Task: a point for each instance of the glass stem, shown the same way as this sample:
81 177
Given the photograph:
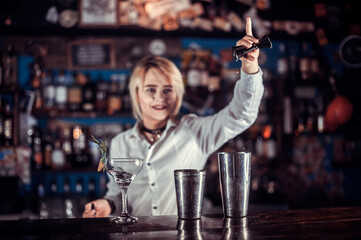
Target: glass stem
124 200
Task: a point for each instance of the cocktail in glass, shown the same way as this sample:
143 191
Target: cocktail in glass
124 170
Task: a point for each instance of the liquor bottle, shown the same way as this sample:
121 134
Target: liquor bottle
48 89
315 71
301 119
66 140
35 75
270 146
80 156
101 96
48 148
8 125
58 160
114 97
75 95
36 85
88 104
310 118
61 92
9 66
282 61
79 187
320 115
287 115
37 155
194 77
204 72
305 63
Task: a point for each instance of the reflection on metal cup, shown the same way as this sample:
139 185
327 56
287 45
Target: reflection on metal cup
235 228
234 176
189 185
189 229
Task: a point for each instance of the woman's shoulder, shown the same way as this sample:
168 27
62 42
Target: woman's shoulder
188 117
123 135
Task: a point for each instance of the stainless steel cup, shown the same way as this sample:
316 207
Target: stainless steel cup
234 177
189 186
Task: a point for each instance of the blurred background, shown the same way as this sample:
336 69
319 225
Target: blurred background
64 71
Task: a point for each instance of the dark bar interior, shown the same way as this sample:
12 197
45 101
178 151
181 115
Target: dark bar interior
64 74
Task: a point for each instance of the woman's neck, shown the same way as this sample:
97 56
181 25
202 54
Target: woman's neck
154 125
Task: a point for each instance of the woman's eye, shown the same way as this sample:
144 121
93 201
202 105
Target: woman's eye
167 90
150 90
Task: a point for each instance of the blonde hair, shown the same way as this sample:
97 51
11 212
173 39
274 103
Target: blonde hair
161 66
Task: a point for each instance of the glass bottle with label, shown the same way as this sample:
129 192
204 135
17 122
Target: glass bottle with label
48 89
61 92
194 77
101 96
305 63
48 148
9 66
114 96
8 125
79 156
75 95
282 61
36 85
66 140
320 115
37 152
88 104
58 160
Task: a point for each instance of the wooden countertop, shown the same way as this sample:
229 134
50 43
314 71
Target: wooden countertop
325 223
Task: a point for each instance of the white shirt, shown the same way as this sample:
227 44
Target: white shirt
186 145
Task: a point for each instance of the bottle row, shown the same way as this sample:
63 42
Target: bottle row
302 64
64 195
65 91
66 147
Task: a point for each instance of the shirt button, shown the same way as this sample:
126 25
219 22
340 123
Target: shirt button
153 184
148 164
155 207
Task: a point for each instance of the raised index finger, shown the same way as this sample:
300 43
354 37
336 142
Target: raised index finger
249 26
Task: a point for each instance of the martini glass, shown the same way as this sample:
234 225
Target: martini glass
124 170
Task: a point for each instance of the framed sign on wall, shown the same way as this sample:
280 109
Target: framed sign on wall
95 53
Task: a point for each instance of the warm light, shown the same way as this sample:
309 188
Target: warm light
267 131
77 132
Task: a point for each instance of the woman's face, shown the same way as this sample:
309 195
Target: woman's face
157 99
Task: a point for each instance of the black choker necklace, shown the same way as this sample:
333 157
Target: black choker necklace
155 133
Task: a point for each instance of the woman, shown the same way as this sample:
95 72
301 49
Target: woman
156 90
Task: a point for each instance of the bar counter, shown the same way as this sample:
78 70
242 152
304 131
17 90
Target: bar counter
323 223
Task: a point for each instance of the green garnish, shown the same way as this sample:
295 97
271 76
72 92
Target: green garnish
102 146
